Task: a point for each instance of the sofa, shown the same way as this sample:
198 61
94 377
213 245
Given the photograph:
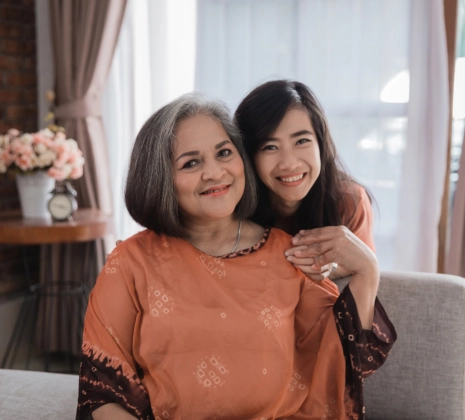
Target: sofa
423 378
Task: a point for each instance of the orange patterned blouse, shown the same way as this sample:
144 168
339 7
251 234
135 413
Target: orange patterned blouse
173 333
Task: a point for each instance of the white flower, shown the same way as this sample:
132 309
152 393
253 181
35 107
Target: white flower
27 138
47 133
46 158
67 169
35 161
4 140
72 145
40 148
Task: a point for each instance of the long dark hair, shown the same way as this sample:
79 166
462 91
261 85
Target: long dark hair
150 195
258 115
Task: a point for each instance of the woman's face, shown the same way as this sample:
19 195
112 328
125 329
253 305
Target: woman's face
209 174
289 162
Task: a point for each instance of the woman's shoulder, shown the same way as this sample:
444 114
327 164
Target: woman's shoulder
280 238
358 212
355 193
144 242
355 201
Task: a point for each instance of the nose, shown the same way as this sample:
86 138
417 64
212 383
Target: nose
288 160
213 170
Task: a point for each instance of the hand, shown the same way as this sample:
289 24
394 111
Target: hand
316 249
317 274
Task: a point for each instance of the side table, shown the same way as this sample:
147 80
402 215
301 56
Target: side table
88 225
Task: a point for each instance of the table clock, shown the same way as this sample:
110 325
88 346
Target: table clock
63 203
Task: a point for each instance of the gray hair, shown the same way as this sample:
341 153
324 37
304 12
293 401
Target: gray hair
150 194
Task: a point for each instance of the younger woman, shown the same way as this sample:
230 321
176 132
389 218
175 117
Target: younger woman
302 185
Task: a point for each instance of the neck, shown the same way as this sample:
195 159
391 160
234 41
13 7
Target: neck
285 212
214 237
284 208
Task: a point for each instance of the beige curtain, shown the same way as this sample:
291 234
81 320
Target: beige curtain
456 255
84 35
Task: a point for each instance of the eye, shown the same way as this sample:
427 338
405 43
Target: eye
303 141
190 164
224 153
269 147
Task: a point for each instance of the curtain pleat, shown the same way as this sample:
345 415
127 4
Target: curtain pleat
456 255
84 35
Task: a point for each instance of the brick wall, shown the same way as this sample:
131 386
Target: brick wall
18 109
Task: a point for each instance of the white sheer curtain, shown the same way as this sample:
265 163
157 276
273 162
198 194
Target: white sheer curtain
154 63
357 55
425 157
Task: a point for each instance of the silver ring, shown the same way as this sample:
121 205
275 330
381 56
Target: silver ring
333 266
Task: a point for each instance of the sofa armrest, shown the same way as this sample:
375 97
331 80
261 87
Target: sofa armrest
37 395
424 376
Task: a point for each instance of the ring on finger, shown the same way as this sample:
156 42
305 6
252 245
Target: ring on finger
333 266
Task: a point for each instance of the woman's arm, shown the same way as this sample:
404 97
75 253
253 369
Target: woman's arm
112 412
317 248
109 380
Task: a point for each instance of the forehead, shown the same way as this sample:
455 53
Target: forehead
295 119
197 132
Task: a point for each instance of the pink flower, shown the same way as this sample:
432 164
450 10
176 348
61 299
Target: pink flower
44 149
24 162
39 138
75 158
76 172
6 156
62 160
56 173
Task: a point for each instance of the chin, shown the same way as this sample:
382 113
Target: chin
219 215
293 196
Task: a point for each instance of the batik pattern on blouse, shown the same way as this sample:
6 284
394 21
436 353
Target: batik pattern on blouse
173 333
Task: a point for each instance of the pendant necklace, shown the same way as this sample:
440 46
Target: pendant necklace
238 237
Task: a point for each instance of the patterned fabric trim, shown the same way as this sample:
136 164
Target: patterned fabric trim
103 380
250 250
364 350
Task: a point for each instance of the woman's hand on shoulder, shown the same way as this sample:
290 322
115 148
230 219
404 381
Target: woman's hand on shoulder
315 250
338 244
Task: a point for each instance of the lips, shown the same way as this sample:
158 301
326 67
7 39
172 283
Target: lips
293 178
217 190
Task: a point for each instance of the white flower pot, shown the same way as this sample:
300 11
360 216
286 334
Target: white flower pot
34 192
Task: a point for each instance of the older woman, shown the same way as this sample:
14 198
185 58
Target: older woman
200 316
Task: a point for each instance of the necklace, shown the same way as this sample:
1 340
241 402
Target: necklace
238 237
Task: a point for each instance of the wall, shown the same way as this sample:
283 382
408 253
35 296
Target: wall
18 109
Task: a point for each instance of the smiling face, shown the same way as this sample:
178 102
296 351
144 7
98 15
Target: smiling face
288 163
208 170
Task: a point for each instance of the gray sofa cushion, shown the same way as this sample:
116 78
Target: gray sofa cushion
423 378
26 395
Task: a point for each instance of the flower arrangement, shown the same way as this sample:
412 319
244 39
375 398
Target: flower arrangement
47 150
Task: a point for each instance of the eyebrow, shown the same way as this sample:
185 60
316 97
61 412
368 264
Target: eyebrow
196 152
296 134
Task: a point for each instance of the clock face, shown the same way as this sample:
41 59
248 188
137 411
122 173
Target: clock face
60 206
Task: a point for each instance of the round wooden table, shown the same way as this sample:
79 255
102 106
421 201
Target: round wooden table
87 225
